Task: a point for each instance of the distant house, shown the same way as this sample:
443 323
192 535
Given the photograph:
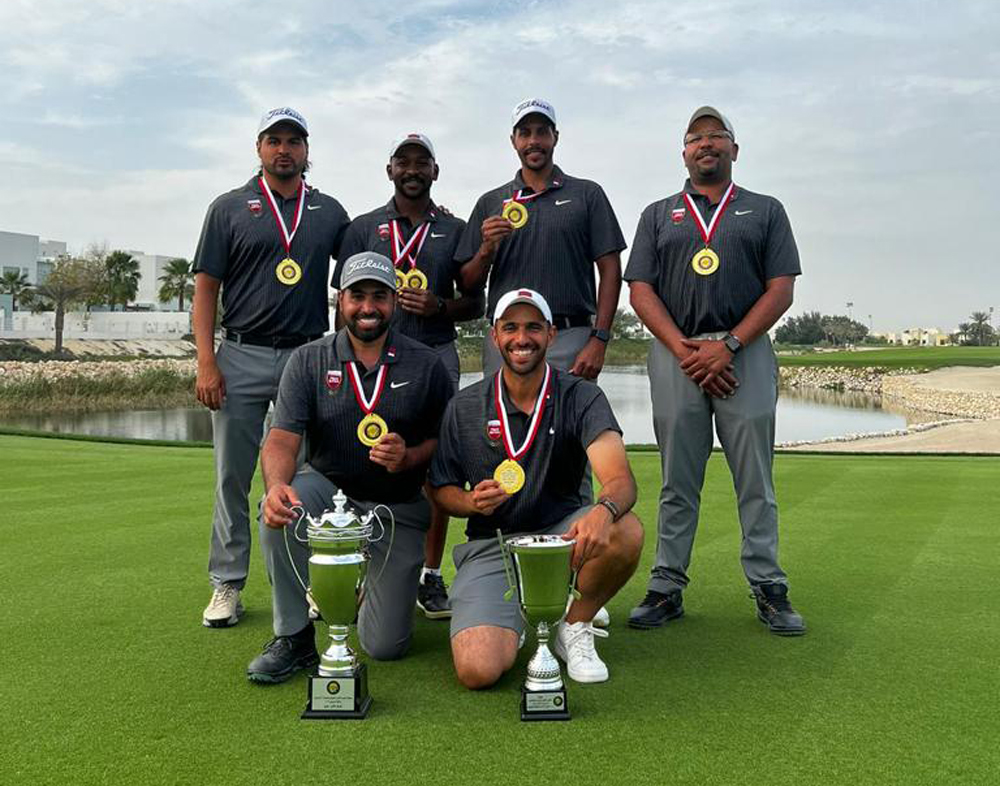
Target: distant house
919 337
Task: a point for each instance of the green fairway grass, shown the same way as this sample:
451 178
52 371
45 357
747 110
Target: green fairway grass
899 357
109 678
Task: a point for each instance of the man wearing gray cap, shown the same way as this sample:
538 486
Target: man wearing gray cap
547 230
420 239
267 246
370 401
712 268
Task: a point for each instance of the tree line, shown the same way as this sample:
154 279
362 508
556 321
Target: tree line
96 279
813 328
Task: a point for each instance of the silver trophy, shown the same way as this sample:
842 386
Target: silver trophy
539 571
338 566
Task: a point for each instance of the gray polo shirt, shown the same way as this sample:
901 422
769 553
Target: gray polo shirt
241 245
576 413
753 240
370 232
569 226
316 398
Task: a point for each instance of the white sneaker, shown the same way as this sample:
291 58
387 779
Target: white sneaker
601 619
224 609
313 608
575 645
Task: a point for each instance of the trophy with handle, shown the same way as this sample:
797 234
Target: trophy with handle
539 571
338 564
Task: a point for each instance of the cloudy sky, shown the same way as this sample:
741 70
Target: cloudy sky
877 124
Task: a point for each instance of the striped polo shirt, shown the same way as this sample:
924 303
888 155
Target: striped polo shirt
242 245
316 397
370 232
753 240
569 226
470 448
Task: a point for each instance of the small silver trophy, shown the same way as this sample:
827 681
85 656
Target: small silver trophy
539 571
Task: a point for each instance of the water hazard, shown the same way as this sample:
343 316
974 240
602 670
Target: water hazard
802 415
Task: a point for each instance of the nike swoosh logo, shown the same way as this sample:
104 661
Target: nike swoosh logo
313 207
552 431
743 212
395 385
435 234
563 201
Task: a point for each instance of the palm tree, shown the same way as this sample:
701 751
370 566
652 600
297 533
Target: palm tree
980 330
15 283
123 278
177 282
65 285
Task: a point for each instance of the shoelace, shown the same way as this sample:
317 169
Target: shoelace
654 599
223 595
774 605
582 644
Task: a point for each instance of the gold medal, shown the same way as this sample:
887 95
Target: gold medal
705 262
400 279
371 429
288 272
415 279
516 213
510 476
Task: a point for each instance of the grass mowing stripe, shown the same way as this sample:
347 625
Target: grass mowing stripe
122 684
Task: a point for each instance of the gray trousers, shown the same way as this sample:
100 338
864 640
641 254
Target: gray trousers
682 422
561 355
448 355
251 375
385 621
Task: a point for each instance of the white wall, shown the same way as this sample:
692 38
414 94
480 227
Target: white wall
106 325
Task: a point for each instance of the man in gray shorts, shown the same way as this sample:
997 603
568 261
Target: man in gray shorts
549 423
364 371
417 235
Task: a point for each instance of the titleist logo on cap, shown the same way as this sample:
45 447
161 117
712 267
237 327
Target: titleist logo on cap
285 111
366 264
532 102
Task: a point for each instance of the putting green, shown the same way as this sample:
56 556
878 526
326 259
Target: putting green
110 678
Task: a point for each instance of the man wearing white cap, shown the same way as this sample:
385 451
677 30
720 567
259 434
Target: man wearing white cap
547 230
712 268
420 239
511 454
267 246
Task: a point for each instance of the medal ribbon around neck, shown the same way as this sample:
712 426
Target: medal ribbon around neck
402 253
536 416
521 197
367 405
286 236
708 230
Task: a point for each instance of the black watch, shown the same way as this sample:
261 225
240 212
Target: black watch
732 343
442 305
600 334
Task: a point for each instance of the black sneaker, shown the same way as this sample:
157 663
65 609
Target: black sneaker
655 609
432 598
283 656
774 610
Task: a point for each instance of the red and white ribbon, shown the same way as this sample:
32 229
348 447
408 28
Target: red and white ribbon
405 253
521 197
708 230
366 404
533 424
286 236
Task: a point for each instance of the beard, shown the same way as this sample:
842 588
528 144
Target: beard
367 334
522 370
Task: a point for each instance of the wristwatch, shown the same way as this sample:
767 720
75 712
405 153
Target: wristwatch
442 305
600 334
732 343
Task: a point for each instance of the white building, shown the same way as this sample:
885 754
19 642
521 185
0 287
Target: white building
147 298
919 337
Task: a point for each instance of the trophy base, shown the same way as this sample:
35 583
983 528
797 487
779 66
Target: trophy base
544 705
338 698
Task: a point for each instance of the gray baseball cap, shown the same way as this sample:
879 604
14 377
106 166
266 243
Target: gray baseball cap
711 111
368 266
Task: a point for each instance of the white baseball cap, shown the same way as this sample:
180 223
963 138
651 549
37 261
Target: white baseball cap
532 106
516 296
412 139
282 114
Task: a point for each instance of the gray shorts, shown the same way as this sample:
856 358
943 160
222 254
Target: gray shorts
480 583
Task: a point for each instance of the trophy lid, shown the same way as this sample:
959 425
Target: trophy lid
341 523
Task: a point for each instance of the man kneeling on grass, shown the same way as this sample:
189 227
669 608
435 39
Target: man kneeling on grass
550 424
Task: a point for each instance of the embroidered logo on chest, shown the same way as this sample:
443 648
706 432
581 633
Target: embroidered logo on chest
334 378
